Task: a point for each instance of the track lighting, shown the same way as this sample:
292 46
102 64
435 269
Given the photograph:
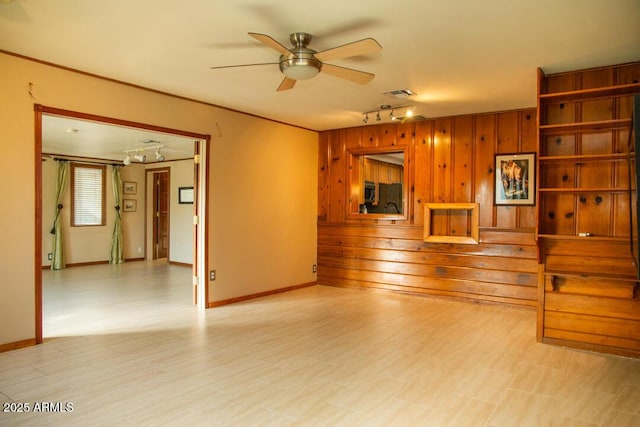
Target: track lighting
408 110
140 157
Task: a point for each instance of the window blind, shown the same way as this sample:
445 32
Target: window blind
88 195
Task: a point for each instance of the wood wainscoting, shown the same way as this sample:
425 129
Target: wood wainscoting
502 268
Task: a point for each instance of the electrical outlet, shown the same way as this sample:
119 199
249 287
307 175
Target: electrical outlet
315 268
212 275
49 256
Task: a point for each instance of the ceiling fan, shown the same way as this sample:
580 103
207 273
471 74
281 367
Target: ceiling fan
302 63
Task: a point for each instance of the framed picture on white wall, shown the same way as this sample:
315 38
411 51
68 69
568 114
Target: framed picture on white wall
185 195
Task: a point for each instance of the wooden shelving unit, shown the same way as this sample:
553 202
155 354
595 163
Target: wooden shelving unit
586 210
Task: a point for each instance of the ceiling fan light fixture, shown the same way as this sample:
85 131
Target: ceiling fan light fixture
297 68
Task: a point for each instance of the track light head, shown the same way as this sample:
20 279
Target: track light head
139 156
366 117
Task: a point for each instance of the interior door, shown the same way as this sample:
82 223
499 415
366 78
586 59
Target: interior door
161 215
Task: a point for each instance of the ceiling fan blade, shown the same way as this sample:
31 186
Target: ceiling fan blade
358 24
244 65
360 47
271 42
286 84
350 74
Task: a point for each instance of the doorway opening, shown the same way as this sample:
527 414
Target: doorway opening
196 160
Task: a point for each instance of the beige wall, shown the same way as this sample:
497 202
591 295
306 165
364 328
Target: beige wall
133 222
262 186
92 244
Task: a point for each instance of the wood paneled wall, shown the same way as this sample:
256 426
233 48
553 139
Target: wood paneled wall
448 159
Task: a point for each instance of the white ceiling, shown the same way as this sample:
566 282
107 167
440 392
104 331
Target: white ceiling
459 56
88 140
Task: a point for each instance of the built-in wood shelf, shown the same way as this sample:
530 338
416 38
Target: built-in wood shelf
587 157
620 277
574 237
584 94
585 190
585 126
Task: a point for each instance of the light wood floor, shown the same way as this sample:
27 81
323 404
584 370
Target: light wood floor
125 346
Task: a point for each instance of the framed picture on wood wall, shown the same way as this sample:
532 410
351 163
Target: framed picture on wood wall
515 179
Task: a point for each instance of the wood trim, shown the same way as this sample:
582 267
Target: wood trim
212 304
18 344
114 121
38 223
195 230
540 305
207 148
475 221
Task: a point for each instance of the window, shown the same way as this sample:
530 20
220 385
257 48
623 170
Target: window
87 195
